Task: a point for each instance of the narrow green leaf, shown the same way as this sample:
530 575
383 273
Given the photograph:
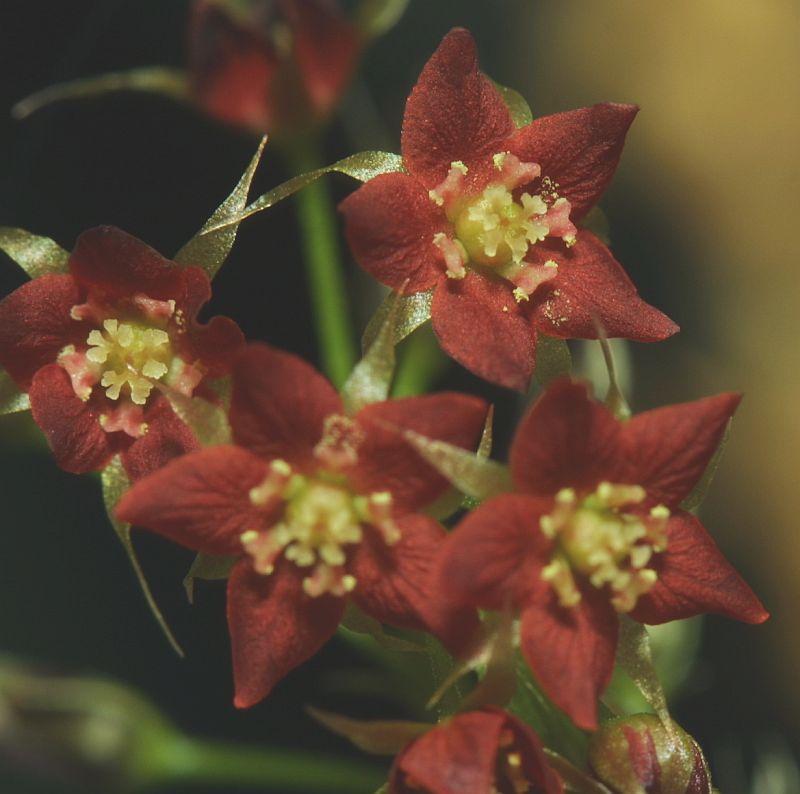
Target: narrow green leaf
357 622
517 105
207 420
375 17
413 311
362 166
635 659
209 567
115 482
499 681
381 737
553 359
473 475
37 256
151 79
12 400
210 250
371 378
700 491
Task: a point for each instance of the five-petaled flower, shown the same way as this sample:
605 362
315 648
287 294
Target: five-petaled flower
95 347
596 529
478 751
486 216
270 66
318 506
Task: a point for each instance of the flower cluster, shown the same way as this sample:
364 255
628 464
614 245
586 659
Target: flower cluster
320 502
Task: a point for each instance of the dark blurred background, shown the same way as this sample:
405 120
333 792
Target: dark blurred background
702 214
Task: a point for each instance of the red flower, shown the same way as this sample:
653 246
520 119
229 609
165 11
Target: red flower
596 529
317 505
485 216
92 346
269 65
478 752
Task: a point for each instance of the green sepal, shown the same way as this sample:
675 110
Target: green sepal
553 359
209 567
173 83
209 250
115 482
362 166
413 311
700 490
371 378
575 780
596 221
358 622
12 400
37 256
376 17
615 399
517 105
208 421
379 737
635 659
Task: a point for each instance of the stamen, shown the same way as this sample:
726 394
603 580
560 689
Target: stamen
455 257
341 438
448 192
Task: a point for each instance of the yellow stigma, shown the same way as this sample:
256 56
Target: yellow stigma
597 539
320 519
497 230
133 355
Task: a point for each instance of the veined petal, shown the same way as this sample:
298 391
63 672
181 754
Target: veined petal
274 626
567 439
694 577
578 149
669 448
35 325
71 426
200 500
387 462
590 288
279 404
492 558
454 113
480 325
390 223
571 651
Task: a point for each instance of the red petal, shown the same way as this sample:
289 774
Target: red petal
668 449
390 223
115 264
387 462
201 500
35 324
694 577
395 584
480 325
72 428
167 437
274 627
455 757
232 68
453 113
592 287
493 557
215 345
571 651
567 439
326 48
279 405
578 149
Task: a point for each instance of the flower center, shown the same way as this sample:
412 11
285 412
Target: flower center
597 539
131 356
320 518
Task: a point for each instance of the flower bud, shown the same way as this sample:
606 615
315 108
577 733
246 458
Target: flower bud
640 754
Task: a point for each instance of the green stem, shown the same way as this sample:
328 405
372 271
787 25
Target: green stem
421 363
326 284
188 761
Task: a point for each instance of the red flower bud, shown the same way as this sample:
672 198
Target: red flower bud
640 754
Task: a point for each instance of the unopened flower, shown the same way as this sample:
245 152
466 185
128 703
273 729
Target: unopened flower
642 755
93 347
270 65
318 506
596 529
487 217
478 751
